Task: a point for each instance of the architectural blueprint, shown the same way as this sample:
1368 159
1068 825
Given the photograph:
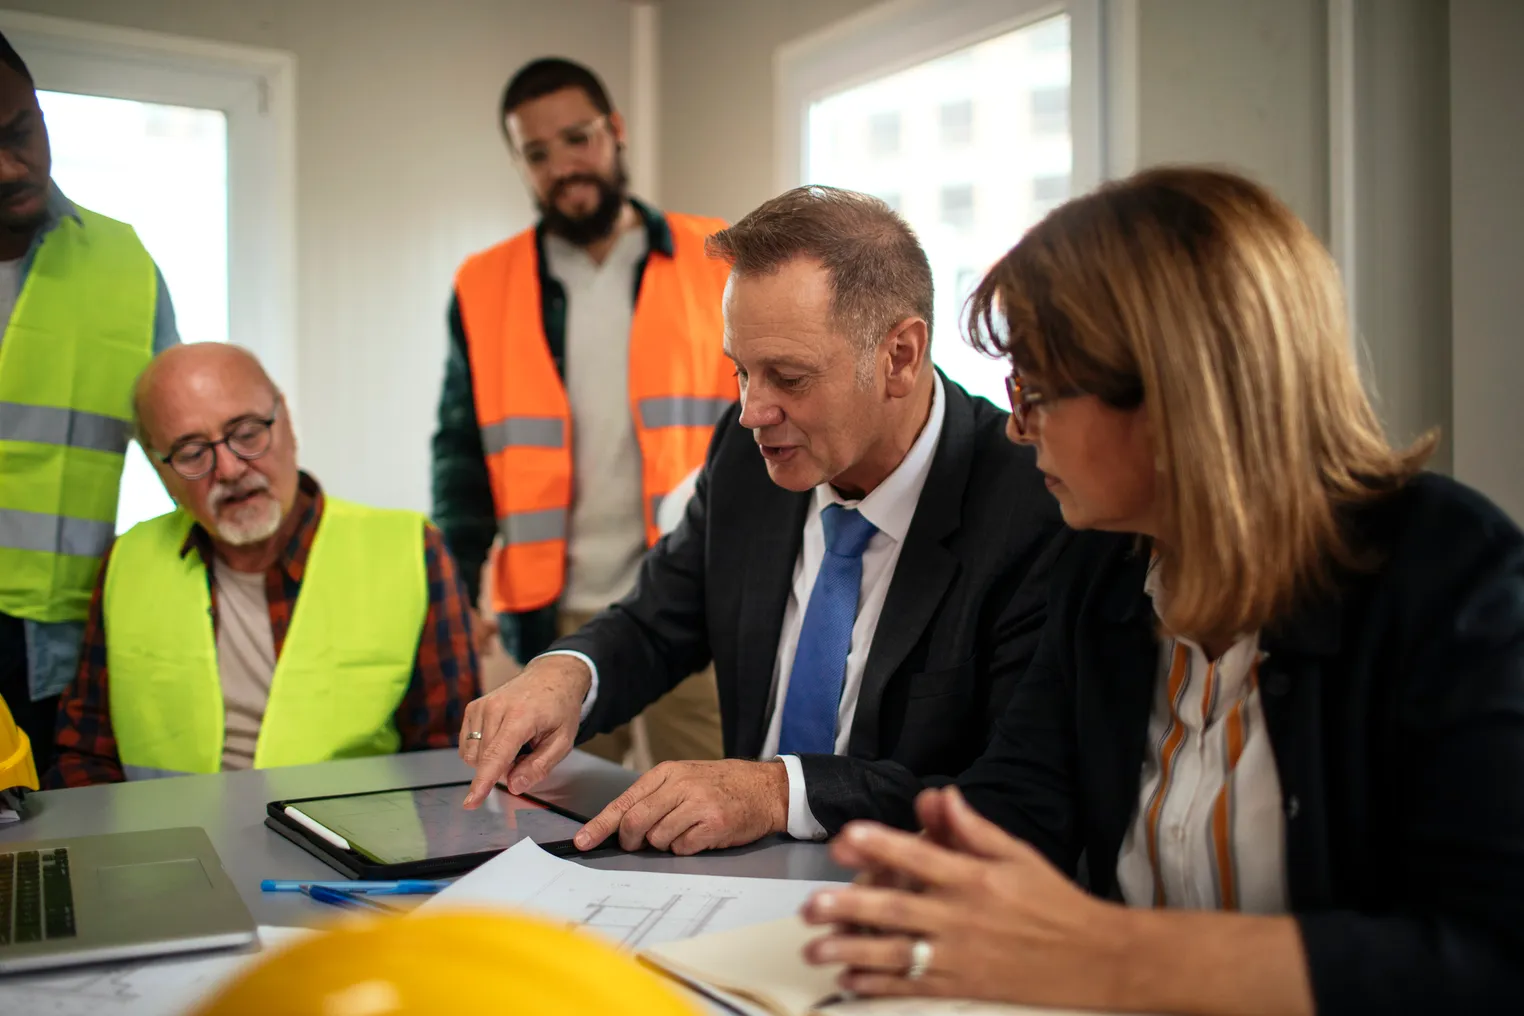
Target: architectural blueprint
137 988
633 908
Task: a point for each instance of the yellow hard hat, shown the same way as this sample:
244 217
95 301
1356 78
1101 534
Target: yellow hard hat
16 766
461 962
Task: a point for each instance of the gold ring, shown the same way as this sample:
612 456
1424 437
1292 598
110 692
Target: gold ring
475 735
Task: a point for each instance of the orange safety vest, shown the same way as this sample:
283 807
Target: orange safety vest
681 382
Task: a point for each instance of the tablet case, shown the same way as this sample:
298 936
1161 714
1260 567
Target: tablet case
357 865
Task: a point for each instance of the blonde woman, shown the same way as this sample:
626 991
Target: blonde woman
1278 710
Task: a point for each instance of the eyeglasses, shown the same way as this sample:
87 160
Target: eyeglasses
575 138
248 439
1024 398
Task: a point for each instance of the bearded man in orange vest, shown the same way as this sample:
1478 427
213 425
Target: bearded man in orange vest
586 371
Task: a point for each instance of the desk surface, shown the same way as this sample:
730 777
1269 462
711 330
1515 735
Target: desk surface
231 808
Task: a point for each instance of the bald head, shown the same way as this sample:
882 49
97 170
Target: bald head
195 373
219 435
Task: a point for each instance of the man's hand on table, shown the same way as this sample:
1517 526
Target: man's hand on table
686 807
540 708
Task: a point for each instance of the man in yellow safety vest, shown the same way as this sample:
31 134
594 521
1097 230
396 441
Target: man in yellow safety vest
261 623
84 308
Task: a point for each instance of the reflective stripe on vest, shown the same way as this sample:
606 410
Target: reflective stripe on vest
72 428
54 534
524 432
682 411
680 384
80 333
343 670
533 527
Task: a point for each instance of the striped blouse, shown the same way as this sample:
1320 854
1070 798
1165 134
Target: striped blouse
1209 831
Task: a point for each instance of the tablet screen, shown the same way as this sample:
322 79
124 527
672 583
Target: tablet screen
428 823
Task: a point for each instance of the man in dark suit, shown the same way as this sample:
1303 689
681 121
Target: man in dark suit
870 586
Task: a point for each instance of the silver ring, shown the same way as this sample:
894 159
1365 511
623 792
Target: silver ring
475 735
920 960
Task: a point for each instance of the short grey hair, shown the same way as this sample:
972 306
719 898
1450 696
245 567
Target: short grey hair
879 273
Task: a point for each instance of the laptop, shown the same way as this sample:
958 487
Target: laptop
91 899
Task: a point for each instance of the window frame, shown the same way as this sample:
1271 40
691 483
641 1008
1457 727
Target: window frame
900 34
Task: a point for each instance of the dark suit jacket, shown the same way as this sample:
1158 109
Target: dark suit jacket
1395 709
961 621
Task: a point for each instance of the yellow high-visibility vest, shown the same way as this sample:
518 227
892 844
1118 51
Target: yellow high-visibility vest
342 673
81 332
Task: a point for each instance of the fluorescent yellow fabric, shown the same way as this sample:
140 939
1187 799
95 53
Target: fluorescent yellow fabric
80 333
344 668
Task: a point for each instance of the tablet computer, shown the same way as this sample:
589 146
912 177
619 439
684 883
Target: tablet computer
419 832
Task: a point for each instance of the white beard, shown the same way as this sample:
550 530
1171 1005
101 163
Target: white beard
254 522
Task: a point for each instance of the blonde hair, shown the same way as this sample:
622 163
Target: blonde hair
1202 290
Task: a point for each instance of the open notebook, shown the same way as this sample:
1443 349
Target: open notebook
760 969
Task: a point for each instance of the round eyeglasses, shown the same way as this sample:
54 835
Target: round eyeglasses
248 438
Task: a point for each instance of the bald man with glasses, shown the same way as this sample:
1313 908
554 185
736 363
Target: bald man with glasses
261 623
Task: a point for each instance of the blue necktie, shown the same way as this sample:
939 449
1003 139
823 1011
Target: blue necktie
820 662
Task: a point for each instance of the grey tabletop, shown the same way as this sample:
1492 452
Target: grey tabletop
231 808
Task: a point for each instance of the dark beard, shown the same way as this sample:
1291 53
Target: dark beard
597 224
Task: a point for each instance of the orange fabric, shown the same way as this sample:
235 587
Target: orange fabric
679 376
1222 807
1173 739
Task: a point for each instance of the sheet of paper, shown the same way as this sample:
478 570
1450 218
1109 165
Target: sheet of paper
635 909
137 988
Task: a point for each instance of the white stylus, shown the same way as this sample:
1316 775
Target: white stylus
318 827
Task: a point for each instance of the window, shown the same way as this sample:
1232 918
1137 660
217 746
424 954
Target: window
958 206
1051 190
968 194
964 283
1051 36
163 169
956 120
884 134
1050 110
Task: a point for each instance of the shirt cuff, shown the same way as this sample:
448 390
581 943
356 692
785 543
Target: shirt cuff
801 821
592 689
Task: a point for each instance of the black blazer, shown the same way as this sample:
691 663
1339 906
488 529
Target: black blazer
1395 710
961 621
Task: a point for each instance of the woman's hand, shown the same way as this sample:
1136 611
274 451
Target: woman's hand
1003 924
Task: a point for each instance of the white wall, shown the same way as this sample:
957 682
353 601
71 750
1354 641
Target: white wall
1242 84
1402 214
401 173
1487 236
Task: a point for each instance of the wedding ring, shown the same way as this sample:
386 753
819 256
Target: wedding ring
475 735
920 960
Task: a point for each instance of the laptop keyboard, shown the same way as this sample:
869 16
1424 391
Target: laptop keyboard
36 896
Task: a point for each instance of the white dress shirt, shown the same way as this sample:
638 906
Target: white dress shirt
1209 833
890 506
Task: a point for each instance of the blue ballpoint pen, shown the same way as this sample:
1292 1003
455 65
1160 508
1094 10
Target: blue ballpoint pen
402 887
338 898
